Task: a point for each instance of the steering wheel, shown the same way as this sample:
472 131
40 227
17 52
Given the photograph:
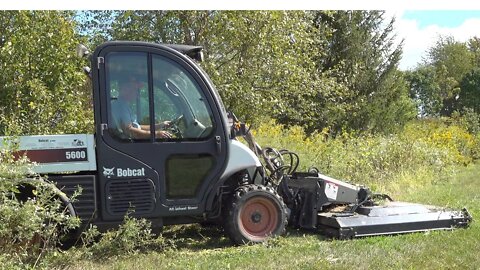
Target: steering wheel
173 126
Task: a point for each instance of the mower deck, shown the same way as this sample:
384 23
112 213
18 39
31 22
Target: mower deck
390 218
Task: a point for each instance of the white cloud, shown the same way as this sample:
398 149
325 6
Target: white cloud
417 41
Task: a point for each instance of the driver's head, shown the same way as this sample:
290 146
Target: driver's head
128 87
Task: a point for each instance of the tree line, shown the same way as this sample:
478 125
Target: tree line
322 70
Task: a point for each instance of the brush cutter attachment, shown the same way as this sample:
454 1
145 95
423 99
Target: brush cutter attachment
344 211
391 218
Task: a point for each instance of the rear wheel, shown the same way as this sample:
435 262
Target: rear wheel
255 213
53 228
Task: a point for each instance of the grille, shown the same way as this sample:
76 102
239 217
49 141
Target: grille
83 203
135 195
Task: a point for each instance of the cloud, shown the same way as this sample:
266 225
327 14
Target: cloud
418 40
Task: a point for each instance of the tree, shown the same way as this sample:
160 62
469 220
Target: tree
362 55
474 46
425 90
94 26
469 96
439 82
159 26
335 69
452 60
41 83
259 60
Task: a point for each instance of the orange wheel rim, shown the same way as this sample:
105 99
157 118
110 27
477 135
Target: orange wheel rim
258 218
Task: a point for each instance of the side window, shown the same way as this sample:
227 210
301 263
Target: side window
179 102
127 91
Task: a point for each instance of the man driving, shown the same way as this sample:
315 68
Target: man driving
124 120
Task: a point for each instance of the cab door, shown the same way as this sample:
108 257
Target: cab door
182 148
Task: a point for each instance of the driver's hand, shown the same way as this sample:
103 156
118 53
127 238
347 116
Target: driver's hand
163 125
167 124
163 134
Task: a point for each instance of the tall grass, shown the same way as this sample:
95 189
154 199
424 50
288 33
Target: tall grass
423 152
205 248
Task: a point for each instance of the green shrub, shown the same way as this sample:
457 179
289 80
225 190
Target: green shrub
468 119
33 219
34 226
12 167
379 161
424 152
132 236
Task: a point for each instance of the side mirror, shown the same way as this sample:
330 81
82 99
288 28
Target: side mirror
87 71
199 56
82 51
196 53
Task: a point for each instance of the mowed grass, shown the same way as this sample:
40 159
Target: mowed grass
194 247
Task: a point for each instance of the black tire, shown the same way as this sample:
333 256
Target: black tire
254 214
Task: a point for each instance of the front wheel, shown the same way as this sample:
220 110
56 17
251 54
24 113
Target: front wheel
255 213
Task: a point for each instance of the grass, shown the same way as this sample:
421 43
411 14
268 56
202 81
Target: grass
195 247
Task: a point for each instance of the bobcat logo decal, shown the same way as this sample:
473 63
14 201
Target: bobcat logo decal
78 142
107 172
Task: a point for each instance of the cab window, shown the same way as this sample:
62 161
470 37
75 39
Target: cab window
179 102
127 92
180 110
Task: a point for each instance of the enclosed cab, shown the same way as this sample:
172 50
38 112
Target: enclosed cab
176 178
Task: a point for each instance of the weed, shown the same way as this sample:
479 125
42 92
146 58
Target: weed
417 164
33 218
429 147
132 236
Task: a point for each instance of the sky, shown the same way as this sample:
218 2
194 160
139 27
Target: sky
421 28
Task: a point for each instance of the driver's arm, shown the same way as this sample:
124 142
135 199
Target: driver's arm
140 133
159 126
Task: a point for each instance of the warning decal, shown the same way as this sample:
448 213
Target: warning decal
331 190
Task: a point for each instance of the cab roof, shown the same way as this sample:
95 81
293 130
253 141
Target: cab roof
194 52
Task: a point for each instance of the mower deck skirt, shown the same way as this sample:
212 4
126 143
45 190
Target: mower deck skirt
391 218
